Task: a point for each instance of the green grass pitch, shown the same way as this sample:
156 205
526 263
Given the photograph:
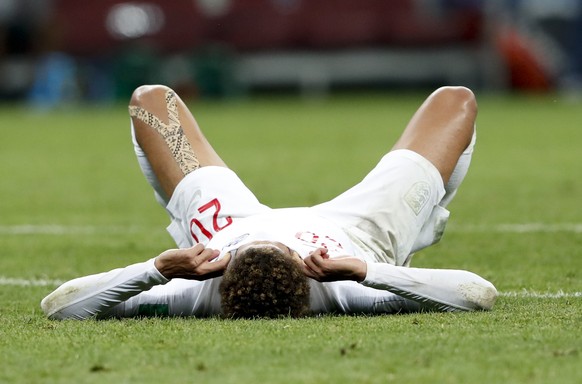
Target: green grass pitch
73 202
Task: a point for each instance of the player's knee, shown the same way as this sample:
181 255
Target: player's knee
458 97
148 94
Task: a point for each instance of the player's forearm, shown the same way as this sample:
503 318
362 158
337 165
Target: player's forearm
92 295
438 289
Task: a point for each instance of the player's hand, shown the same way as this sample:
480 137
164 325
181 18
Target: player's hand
191 263
319 266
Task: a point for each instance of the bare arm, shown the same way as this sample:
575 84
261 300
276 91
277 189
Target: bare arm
437 289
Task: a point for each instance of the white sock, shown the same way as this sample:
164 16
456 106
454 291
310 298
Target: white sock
459 172
147 170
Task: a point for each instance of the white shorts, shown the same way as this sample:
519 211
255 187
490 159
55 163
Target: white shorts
394 211
391 213
206 201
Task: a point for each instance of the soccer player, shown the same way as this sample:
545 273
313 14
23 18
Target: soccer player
240 258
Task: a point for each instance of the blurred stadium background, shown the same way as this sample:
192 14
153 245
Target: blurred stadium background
68 51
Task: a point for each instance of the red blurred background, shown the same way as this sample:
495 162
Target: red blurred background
99 50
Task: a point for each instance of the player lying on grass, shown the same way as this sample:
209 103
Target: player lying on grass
240 258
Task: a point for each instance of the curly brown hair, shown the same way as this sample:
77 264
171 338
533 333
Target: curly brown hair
263 282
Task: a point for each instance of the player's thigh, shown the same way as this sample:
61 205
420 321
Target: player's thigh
169 136
207 201
442 128
387 209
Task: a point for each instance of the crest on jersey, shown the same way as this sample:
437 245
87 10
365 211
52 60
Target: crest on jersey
236 240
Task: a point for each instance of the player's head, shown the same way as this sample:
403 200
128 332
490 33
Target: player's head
264 280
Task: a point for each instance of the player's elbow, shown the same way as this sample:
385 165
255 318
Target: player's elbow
57 306
53 313
458 98
48 307
481 294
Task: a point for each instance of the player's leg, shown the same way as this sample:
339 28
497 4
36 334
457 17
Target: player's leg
442 128
388 208
459 173
169 136
449 113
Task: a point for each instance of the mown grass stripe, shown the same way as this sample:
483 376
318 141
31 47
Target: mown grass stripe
60 230
541 295
18 282
518 228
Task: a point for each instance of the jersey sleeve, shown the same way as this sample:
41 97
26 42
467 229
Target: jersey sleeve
352 298
434 289
95 295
